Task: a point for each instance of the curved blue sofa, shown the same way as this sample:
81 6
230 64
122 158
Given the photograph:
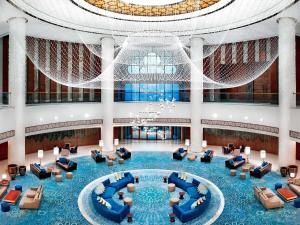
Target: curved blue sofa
118 212
184 212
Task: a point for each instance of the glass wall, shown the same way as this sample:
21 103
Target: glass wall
152 133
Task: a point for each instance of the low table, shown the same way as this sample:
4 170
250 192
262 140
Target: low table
286 194
137 179
55 171
181 195
172 217
174 201
171 187
121 194
128 201
129 217
130 187
165 179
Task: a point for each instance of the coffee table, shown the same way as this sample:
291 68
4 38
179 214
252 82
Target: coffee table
286 194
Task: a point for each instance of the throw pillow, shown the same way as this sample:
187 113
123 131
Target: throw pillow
30 194
269 195
257 169
112 179
62 160
239 158
189 179
99 189
231 162
181 150
202 189
108 205
264 164
194 205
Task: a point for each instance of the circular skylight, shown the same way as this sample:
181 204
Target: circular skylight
152 3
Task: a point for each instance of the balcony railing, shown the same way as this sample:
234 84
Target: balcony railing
241 97
63 97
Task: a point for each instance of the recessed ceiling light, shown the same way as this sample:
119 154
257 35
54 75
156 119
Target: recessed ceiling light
230 116
71 115
215 115
261 119
86 115
246 117
56 117
41 119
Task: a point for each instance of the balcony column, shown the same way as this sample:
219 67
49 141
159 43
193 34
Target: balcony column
196 93
1 70
287 88
17 87
107 92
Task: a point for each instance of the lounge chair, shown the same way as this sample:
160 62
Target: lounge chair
97 156
123 153
39 171
73 150
208 155
260 171
32 198
235 162
294 185
267 198
179 154
66 164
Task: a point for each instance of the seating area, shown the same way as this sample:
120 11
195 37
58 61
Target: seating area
294 185
66 164
261 170
123 153
235 162
97 156
199 197
179 154
102 197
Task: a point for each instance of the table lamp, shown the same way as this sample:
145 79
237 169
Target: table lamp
204 144
116 143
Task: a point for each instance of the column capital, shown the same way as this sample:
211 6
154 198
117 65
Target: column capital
107 38
287 17
17 18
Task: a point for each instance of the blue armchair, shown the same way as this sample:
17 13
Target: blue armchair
179 154
123 153
208 155
235 162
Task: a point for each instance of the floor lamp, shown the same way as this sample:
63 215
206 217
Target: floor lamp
101 144
40 155
247 152
204 144
187 144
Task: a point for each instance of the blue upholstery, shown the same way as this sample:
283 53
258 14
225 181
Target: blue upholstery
235 162
238 158
173 178
118 212
264 164
123 153
185 213
297 203
5 207
18 187
278 185
62 160
260 171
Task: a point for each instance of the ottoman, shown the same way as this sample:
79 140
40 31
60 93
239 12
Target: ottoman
232 173
130 187
297 203
128 201
112 157
110 163
171 187
58 178
56 172
278 185
18 187
121 161
192 157
5 207
69 175
243 176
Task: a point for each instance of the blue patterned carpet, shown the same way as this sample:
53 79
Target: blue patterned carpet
59 204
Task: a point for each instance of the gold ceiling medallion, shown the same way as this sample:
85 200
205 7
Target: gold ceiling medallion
182 7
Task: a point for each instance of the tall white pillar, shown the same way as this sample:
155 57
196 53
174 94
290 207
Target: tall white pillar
17 85
1 70
196 93
107 92
287 88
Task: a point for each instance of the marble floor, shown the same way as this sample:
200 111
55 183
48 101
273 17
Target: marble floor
141 145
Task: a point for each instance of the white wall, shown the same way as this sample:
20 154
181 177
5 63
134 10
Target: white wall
6 119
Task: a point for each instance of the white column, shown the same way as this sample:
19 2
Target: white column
107 92
287 88
196 93
1 70
17 84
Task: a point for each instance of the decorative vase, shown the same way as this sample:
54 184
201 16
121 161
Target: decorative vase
22 170
283 171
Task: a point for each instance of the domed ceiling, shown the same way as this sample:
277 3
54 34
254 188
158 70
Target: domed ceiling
152 8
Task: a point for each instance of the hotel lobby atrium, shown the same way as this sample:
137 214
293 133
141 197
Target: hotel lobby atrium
153 112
